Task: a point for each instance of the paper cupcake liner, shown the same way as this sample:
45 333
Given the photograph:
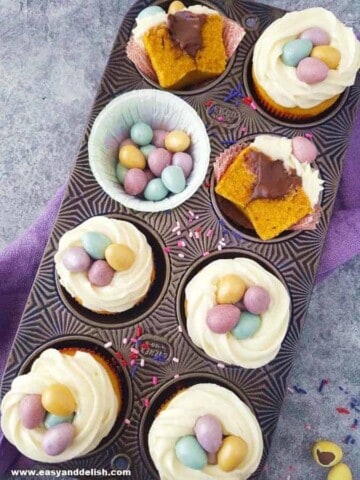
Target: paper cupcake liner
160 110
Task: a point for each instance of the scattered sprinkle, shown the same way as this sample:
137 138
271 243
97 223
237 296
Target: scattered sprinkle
309 135
208 103
181 255
167 249
289 389
209 233
307 427
343 410
322 385
119 356
191 213
133 340
207 184
181 243
139 332
205 254
177 227
349 440
127 421
132 362
159 358
142 362
253 105
299 390
134 350
108 345
220 118
176 376
221 365
180 328
154 380
146 402
175 359
355 423
124 341
134 370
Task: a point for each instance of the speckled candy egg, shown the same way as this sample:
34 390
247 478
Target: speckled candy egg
256 300
230 289
58 400
175 6
132 157
149 11
340 472
121 171
296 50
76 259
190 453
327 454
146 150
312 70
208 431
159 138
141 134
31 411
177 141
232 453
95 244
155 190
173 178
100 273
58 438
120 257
222 318
303 149
52 420
184 161
247 326
317 36
158 160
135 181
329 55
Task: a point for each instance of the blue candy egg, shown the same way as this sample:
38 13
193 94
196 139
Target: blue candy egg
190 453
52 420
121 171
149 11
95 244
155 190
173 178
141 134
296 50
147 149
248 325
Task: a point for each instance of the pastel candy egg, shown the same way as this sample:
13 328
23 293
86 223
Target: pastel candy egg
141 133
58 400
100 273
184 161
317 36
146 150
303 149
222 318
76 259
120 257
173 178
230 289
158 160
177 141
212 458
127 141
208 431
135 181
190 453
149 174
31 411
149 11
155 190
256 300
159 138
58 438
340 472
296 50
52 420
312 70
175 6
95 244
121 171
132 157
232 453
327 454
329 55
248 325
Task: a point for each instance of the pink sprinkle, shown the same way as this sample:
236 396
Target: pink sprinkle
124 340
180 328
134 350
176 228
146 402
205 254
191 213
244 129
175 359
209 233
307 427
309 135
178 233
167 249
191 234
154 380
108 345
220 118
142 362
133 340
181 255
219 247
132 362
127 421
253 105
221 365
197 235
197 217
181 243
176 376
290 390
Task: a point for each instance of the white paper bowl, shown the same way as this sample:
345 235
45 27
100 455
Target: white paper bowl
161 110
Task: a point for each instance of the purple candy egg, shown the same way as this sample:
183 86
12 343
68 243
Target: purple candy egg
158 160
317 36
58 438
135 181
127 141
312 70
76 259
159 138
222 318
32 413
256 300
304 150
208 431
100 273
184 161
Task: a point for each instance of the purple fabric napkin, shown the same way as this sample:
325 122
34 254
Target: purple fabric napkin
17 271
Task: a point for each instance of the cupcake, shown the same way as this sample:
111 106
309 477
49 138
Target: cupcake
303 62
105 264
62 408
205 432
270 184
184 46
237 312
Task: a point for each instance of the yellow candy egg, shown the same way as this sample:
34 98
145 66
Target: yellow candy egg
120 257
230 289
327 454
177 141
329 55
340 472
58 400
231 453
131 157
175 6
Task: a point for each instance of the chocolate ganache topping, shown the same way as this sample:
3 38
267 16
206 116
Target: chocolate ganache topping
185 30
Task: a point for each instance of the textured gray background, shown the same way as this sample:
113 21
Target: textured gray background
52 55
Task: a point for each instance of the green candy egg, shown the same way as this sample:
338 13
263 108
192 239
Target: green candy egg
147 149
141 134
173 178
190 453
149 12
52 420
155 190
247 326
95 244
296 50
121 171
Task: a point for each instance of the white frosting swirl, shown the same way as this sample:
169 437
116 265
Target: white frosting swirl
128 287
178 419
96 403
265 344
280 81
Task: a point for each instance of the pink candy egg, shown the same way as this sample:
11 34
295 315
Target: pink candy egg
100 273
256 300
76 259
135 181
222 318
184 161
58 438
127 141
159 138
304 150
312 70
317 36
32 413
158 160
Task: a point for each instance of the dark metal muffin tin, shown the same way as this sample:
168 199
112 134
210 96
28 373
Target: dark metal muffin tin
53 318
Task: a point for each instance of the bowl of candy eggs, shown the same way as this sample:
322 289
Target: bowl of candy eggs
149 150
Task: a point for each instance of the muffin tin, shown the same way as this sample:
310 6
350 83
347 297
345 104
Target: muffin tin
53 319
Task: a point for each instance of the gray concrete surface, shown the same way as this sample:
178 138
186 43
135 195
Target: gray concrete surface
52 55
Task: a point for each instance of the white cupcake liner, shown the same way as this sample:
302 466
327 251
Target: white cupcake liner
161 110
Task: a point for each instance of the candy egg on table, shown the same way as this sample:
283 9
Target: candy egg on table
208 431
190 453
58 400
100 273
247 326
312 70
256 299
327 454
146 150
121 171
76 259
155 190
177 141
52 420
159 138
32 413
150 11
141 133
295 50
327 54
175 6
95 244
135 181
304 150
158 160
184 161
340 472
231 453
173 178
132 157
222 318
317 36
120 257
58 438
230 289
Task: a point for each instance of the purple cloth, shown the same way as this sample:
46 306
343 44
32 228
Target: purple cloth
20 260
